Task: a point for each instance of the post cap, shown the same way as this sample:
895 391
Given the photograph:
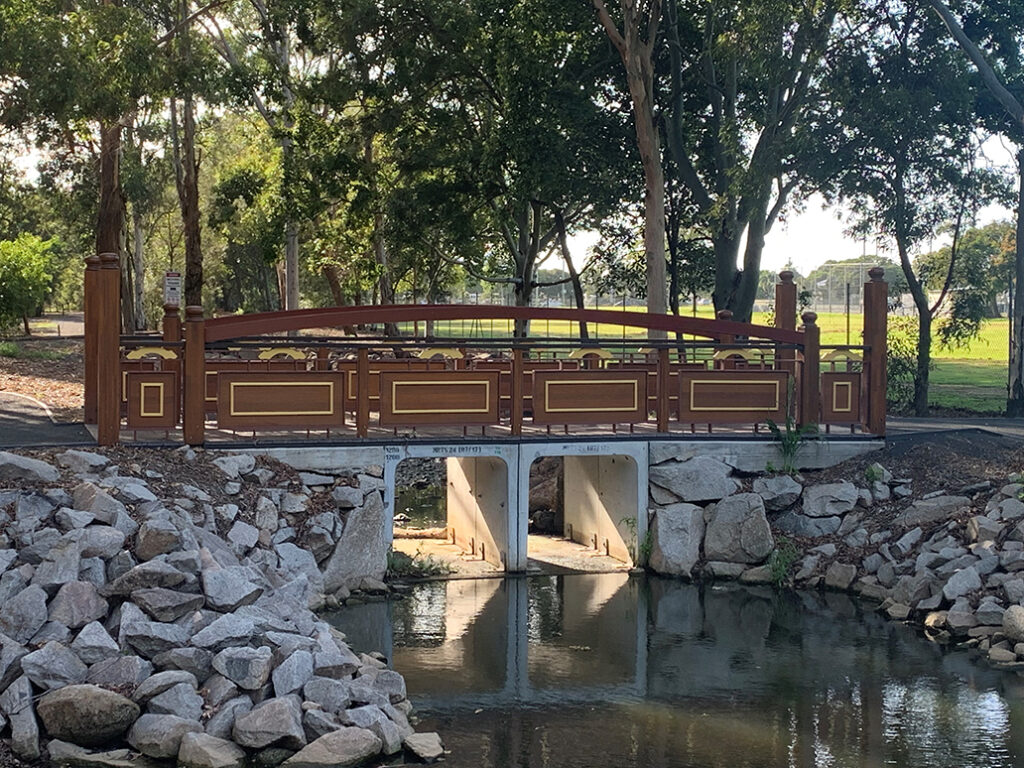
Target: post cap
876 274
786 276
193 313
171 309
92 261
809 318
724 314
110 261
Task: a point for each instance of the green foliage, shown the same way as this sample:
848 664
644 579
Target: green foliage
873 474
26 274
781 561
417 566
901 350
790 439
642 551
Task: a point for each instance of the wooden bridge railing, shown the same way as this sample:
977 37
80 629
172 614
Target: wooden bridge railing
245 374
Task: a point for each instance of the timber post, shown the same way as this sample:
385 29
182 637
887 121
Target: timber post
876 310
663 378
810 375
785 301
91 302
194 420
107 307
171 327
516 394
363 394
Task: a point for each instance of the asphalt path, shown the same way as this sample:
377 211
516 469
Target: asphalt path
26 423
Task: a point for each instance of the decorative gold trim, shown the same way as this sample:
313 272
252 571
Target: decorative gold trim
585 352
138 354
448 353
750 355
143 386
842 355
410 411
234 384
732 382
849 396
547 395
292 352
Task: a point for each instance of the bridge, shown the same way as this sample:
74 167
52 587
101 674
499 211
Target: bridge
489 388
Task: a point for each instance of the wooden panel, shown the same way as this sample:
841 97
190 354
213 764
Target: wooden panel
589 397
152 399
128 366
300 399
216 367
377 367
840 398
449 398
732 397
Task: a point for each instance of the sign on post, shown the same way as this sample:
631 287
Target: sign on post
172 288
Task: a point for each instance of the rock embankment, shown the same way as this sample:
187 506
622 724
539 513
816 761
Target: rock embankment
136 610
948 559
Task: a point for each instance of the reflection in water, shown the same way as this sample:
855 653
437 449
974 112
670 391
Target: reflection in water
608 670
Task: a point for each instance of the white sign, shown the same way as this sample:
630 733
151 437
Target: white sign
172 288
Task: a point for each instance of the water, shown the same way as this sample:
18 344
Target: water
605 670
425 507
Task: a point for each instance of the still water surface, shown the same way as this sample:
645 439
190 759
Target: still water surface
612 671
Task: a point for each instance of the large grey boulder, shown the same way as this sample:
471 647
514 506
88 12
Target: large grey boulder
229 588
54 666
829 499
94 644
157 537
152 637
127 671
23 615
778 492
224 632
200 750
166 604
86 715
701 478
222 723
342 748
276 721
676 535
294 560
18 470
933 510
82 462
961 583
76 604
181 700
100 541
104 507
1013 623
161 682
11 654
16 703
147 575
737 530
61 565
840 575
426 746
248 668
331 695
801 525
362 548
235 465
160 735
294 672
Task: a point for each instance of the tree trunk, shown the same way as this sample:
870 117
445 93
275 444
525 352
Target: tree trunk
742 305
138 260
727 250
291 264
1015 399
188 199
574 276
330 272
924 358
111 207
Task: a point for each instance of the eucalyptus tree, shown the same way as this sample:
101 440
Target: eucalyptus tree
906 149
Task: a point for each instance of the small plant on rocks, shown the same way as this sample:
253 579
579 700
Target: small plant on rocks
782 560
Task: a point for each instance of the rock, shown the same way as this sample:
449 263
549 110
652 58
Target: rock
898 611
222 722
906 543
316 723
127 671
961 583
82 462
217 689
147 575
426 746
293 673
391 684
294 560
94 644
104 507
61 565
68 519
361 549
934 510
341 748
152 637
958 622
345 496
276 721
990 614
53 666
723 570
23 615
11 654
225 631
880 491
181 700
156 537
1001 656
243 536
229 588
160 735
738 531
86 715
236 465
200 750
20 471
981 528
198 661
1013 623
829 499
248 668
16 703
100 541
810 527
166 604
161 682
332 695
76 604
840 575
698 479
676 535
779 492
